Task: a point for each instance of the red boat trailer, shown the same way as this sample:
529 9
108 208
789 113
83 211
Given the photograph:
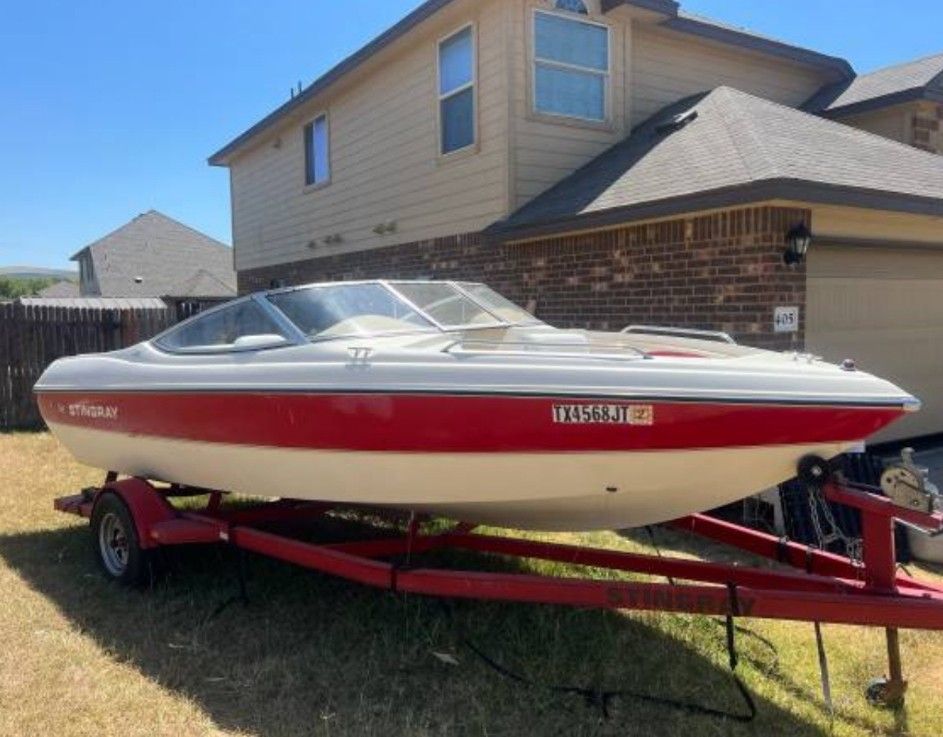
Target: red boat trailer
822 587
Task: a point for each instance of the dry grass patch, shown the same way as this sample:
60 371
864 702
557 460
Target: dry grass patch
311 655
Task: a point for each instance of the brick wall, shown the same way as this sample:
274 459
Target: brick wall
721 271
928 127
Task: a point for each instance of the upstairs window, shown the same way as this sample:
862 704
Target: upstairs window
317 151
457 91
571 67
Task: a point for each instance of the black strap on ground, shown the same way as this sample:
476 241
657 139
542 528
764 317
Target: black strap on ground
242 596
602 699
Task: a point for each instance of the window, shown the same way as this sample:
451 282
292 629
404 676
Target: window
457 91
317 151
219 330
571 67
348 310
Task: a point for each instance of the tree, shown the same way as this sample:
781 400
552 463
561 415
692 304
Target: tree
11 288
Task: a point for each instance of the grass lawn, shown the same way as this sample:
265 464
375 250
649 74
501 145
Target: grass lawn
311 655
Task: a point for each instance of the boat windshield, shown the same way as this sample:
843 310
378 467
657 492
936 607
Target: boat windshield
343 310
447 305
372 308
501 307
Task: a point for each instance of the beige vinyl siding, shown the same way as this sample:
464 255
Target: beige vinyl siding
385 162
895 123
882 306
669 66
651 68
546 149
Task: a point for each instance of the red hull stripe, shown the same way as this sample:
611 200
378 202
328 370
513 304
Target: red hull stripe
455 424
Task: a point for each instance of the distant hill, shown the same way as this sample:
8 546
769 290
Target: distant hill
38 272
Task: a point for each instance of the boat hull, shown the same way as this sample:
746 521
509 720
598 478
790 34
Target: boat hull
528 490
550 463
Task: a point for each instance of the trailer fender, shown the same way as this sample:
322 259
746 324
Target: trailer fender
148 507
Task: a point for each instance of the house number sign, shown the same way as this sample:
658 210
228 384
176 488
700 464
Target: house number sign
786 320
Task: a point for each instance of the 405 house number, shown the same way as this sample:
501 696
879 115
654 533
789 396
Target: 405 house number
603 414
786 320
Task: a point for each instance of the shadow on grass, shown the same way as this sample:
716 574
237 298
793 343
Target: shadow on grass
312 654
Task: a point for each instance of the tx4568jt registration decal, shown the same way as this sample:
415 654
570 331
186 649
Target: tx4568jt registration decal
604 414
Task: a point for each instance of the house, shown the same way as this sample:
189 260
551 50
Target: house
608 162
60 290
156 257
901 102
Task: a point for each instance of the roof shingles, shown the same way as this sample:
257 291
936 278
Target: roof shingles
156 256
922 78
739 148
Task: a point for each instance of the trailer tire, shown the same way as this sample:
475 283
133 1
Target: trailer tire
116 544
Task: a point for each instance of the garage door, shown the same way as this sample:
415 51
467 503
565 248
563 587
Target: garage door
884 308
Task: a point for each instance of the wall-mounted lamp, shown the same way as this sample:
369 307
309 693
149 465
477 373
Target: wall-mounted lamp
798 240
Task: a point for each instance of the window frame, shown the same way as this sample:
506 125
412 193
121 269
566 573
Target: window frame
312 125
442 97
606 120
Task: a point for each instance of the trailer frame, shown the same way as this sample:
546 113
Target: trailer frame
810 584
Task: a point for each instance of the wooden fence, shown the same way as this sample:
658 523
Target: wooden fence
32 337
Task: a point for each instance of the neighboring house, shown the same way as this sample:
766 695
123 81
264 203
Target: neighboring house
157 257
60 290
902 102
609 162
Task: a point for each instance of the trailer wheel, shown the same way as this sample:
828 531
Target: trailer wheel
116 544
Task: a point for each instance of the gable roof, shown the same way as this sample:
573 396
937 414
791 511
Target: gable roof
60 289
676 20
157 256
921 79
735 148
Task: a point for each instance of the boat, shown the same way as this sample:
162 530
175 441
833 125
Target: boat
445 398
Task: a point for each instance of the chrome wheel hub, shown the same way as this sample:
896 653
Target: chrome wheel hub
113 543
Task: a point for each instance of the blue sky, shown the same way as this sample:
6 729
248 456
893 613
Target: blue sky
108 109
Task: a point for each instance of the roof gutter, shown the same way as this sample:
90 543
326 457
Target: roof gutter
742 39
666 7
795 190
914 94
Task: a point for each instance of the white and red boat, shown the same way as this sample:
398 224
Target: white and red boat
445 398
